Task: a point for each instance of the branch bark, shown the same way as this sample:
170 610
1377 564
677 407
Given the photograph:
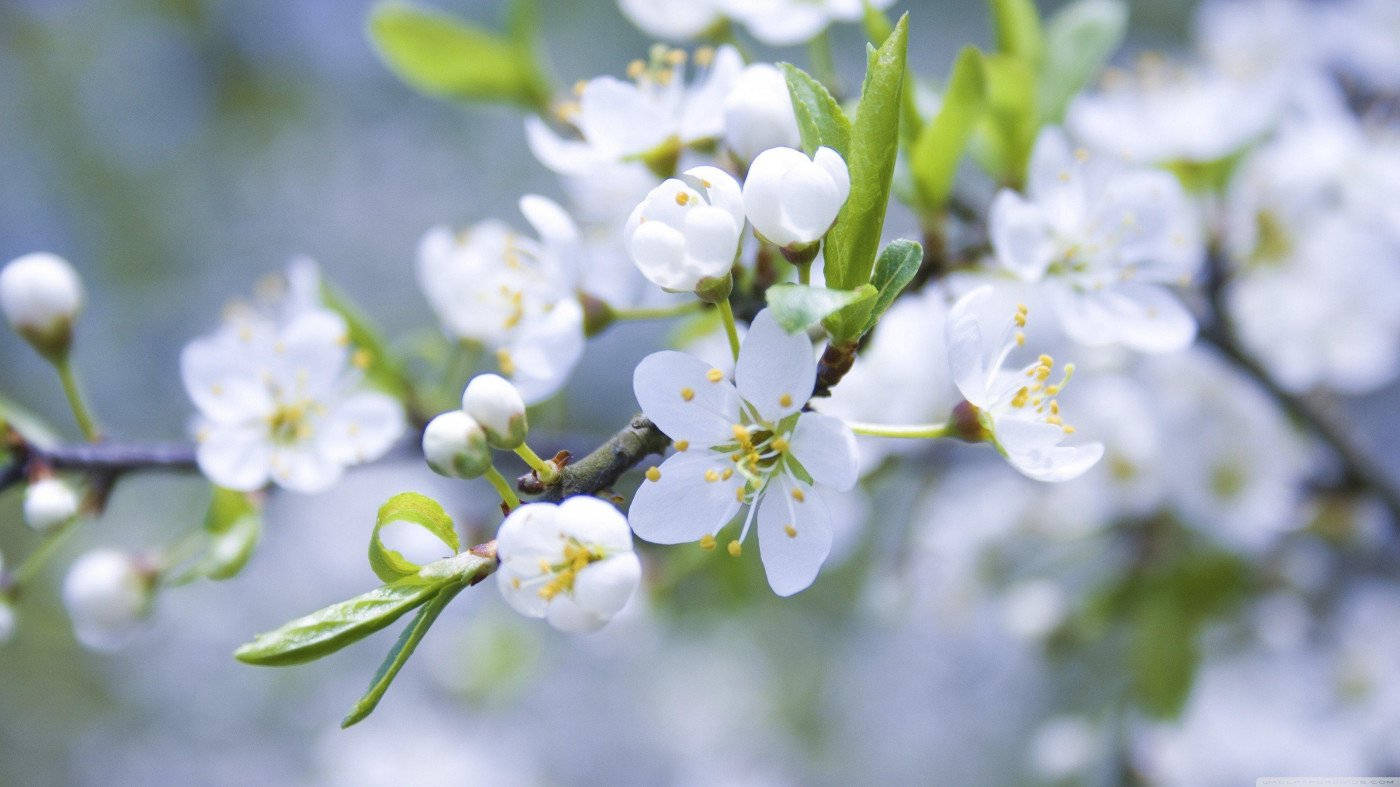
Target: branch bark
599 470
104 459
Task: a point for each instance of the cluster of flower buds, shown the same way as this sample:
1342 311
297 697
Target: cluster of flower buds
458 443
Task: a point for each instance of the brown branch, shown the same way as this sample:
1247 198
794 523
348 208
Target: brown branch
599 470
104 459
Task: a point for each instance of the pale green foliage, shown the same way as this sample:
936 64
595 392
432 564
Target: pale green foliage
819 118
940 144
896 267
797 307
234 525
1079 39
389 565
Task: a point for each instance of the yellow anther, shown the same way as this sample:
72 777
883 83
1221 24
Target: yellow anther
1019 400
1046 360
741 433
635 69
343 340
1020 338
361 358
707 541
504 361
681 445
704 56
790 530
567 110
739 493
798 495
216 389
687 393
515 582
682 198
1064 176
664 77
714 375
544 566
675 57
711 476
1051 390
653 474
580 86
780 444
735 549
736 457
727 474
785 400
1081 155
1068 429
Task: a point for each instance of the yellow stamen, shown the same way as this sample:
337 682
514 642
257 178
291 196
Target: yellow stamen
653 474
785 400
682 445
735 549
711 476
790 530
682 198
714 375
687 393
707 541
798 495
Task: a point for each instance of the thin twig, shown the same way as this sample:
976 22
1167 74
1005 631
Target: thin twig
107 459
599 470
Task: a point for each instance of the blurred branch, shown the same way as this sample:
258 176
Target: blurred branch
107 460
1359 469
599 470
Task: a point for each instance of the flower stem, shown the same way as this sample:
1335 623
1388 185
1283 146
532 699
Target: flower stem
726 313
35 561
915 431
81 414
547 471
658 312
804 274
508 495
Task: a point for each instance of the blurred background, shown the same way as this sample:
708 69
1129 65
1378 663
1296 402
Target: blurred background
176 151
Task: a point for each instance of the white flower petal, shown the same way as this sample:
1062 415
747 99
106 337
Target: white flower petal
794 537
1145 317
619 118
304 468
519 584
776 370
812 200
605 587
1033 448
223 379
681 505
528 534
594 522
826 447
236 456
659 253
543 352
361 427
974 346
703 115
1020 236
835 166
675 391
551 222
711 240
566 615
565 156
310 353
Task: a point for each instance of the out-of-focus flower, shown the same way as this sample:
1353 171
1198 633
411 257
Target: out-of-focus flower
788 22
49 502
513 294
687 229
792 199
652 117
1364 38
454 445
672 20
744 443
497 406
1017 408
758 113
41 294
1106 242
282 400
1032 609
571 563
7 621
1064 747
107 594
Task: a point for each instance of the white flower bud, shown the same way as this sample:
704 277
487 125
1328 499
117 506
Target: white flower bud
455 446
687 229
107 593
497 407
41 294
48 503
790 199
758 113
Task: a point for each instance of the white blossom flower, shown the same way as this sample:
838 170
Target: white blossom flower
1064 747
41 294
454 445
758 113
744 443
672 20
655 115
571 563
792 199
1017 408
1364 39
282 400
512 294
687 229
107 593
49 502
1106 242
788 22
496 405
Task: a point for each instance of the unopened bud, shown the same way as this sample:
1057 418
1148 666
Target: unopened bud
455 446
107 593
48 503
496 405
714 289
41 295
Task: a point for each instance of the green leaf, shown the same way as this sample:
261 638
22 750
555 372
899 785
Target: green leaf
894 269
855 236
234 525
799 306
878 28
819 118
381 367
877 25
1164 656
1018 30
327 630
1079 40
398 655
389 565
1008 128
940 145
443 56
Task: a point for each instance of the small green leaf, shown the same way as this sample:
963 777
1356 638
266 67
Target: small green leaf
878 28
819 118
390 565
381 367
1164 656
894 269
1079 40
1008 128
398 655
225 508
1018 29
855 236
327 630
940 145
877 25
443 56
799 306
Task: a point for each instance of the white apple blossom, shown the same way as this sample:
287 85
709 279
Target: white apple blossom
454 445
649 118
284 400
510 293
49 502
758 113
688 229
792 199
107 593
571 563
744 443
788 22
672 20
1106 241
1017 408
41 294
498 408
